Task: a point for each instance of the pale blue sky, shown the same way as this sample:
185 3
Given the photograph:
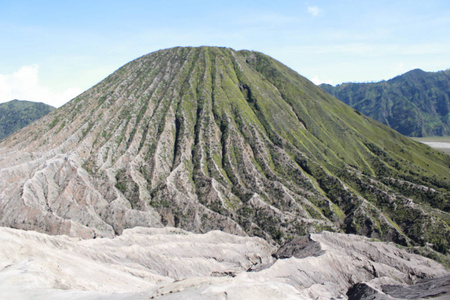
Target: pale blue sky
52 50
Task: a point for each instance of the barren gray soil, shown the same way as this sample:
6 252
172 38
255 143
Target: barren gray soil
439 143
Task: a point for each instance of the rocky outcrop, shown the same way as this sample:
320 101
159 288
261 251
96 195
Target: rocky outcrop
363 291
436 288
215 139
299 247
169 263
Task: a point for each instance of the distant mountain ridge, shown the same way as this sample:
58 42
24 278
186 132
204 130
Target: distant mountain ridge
16 114
415 104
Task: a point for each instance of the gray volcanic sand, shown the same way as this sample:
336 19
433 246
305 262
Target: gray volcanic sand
169 263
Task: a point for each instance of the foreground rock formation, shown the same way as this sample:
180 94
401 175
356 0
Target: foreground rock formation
215 139
170 263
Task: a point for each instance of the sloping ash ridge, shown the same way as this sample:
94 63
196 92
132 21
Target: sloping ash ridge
211 138
170 263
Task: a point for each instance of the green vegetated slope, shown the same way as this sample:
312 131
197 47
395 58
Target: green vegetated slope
211 136
17 114
415 104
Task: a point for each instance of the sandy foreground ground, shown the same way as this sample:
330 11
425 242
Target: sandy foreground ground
169 263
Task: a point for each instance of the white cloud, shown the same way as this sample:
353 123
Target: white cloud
313 10
317 80
24 85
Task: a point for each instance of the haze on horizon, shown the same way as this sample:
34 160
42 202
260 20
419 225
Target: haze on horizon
54 50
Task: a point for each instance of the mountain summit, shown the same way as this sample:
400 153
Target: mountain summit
212 138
